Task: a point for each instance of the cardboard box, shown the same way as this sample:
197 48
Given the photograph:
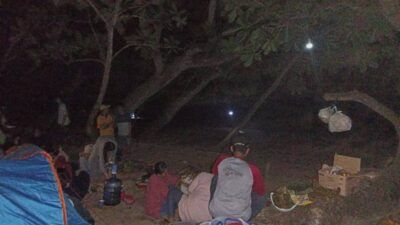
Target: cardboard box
347 180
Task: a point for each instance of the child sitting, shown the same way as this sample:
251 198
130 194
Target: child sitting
157 189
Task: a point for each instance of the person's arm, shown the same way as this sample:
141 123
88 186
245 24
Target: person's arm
258 181
214 169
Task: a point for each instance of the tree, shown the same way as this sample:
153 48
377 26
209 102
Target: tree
117 17
346 34
169 61
21 32
196 85
110 20
259 102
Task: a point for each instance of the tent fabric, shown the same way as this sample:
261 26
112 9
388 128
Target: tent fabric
30 190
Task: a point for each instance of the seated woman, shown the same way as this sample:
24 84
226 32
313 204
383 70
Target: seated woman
74 182
157 189
192 199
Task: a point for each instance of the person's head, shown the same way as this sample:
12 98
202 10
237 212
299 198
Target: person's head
58 100
160 168
104 110
240 147
188 174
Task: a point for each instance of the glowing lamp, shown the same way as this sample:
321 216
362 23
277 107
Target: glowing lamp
309 45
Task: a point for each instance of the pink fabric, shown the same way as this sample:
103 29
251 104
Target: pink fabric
193 207
156 193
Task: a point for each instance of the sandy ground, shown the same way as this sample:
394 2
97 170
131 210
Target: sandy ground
282 163
177 157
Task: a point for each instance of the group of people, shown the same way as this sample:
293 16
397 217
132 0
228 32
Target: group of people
114 139
233 188
96 157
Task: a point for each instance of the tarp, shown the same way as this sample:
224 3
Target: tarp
30 190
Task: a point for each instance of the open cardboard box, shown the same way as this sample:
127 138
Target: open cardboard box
345 182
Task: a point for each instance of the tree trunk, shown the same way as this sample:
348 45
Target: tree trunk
258 103
169 113
371 103
153 85
212 9
170 72
106 76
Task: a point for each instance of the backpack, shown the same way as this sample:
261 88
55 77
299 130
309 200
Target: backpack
232 196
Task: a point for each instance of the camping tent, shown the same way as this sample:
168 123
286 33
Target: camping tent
30 190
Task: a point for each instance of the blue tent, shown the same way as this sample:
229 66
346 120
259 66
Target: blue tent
30 190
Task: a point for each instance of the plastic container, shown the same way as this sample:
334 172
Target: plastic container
112 189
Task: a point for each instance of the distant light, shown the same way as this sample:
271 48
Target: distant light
309 45
230 113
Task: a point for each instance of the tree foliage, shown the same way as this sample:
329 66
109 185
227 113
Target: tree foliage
345 33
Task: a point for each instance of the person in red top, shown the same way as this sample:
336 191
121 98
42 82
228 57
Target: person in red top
157 189
258 195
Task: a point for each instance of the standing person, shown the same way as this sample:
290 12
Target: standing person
124 126
63 119
240 190
105 124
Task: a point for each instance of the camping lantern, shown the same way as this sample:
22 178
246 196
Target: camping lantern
112 189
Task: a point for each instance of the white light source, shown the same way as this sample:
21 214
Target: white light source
230 113
309 45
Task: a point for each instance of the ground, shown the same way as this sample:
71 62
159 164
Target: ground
284 159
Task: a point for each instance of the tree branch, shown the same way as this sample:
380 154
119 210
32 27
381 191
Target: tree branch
212 8
96 37
97 11
122 49
260 101
86 60
366 100
211 61
371 103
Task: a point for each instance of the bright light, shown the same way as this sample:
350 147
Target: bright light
230 113
309 45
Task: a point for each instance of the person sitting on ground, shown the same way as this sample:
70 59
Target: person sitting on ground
101 157
84 157
239 189
75 183
157 189
191 199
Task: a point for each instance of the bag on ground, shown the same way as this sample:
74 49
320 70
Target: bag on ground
326 113
339 122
